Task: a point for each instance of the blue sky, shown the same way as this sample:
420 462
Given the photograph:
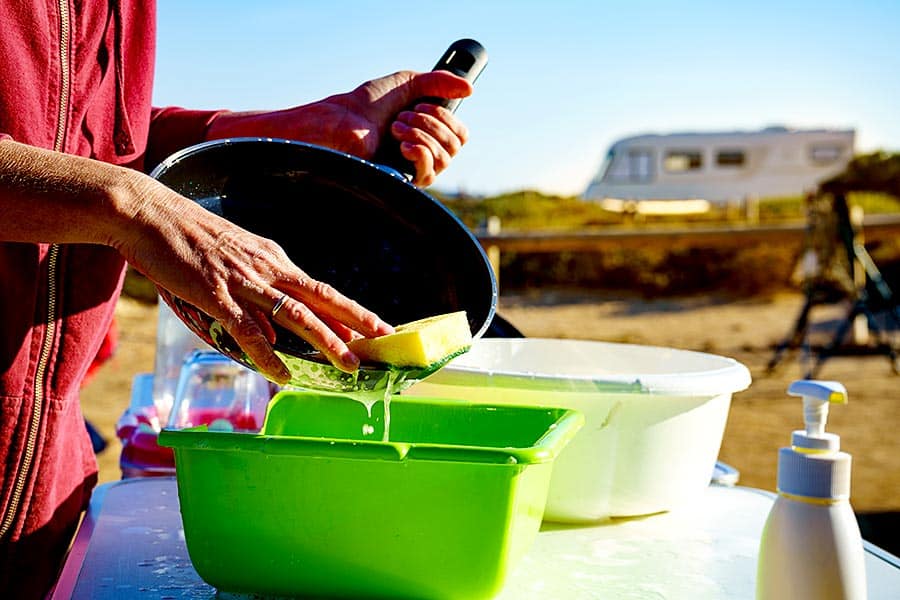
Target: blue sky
565 78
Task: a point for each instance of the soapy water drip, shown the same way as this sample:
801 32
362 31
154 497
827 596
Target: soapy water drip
367 385
370 398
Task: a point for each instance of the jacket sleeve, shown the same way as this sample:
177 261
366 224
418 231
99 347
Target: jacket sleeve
172 129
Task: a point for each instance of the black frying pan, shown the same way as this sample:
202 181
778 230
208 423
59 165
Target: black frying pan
359 226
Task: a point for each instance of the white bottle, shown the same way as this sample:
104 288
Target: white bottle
811 547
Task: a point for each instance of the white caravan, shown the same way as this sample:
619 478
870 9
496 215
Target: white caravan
703 168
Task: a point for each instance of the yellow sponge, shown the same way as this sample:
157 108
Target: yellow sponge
420 343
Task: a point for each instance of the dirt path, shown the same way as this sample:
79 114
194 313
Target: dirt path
760 420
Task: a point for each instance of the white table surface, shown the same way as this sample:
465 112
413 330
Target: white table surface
131 545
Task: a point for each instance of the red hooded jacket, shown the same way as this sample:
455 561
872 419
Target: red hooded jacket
75 76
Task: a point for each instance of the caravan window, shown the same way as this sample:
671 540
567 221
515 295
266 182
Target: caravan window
635 166
679 161
730 158
825 153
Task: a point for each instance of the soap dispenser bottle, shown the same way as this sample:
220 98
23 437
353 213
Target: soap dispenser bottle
811 547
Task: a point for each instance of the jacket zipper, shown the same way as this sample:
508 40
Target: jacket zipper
65 77
40 374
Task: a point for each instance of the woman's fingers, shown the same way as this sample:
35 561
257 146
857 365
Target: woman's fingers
316 312
342 331
299 319
311 309
430 137
252 329
439 123
260 316
323 299
423 159
251 335
440 84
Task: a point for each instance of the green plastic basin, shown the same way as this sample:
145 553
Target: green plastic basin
317 505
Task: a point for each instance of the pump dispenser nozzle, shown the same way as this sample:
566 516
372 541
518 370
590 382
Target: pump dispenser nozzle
816 397
813 465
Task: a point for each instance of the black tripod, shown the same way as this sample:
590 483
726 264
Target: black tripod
816 293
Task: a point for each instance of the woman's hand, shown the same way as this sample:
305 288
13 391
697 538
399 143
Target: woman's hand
357 122
237 278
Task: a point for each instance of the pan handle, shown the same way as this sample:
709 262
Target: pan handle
466 58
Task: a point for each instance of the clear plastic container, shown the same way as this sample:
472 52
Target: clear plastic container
214 390
174 343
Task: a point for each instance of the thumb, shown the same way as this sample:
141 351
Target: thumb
442 84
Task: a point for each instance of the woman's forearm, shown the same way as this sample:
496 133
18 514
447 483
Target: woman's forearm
50 197
172 129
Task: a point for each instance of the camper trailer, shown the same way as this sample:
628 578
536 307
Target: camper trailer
702 168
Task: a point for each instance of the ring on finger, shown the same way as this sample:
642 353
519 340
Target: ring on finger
278 305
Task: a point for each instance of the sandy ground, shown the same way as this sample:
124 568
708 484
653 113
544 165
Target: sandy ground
760 419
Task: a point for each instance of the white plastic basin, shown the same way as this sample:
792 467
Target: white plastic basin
654 417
